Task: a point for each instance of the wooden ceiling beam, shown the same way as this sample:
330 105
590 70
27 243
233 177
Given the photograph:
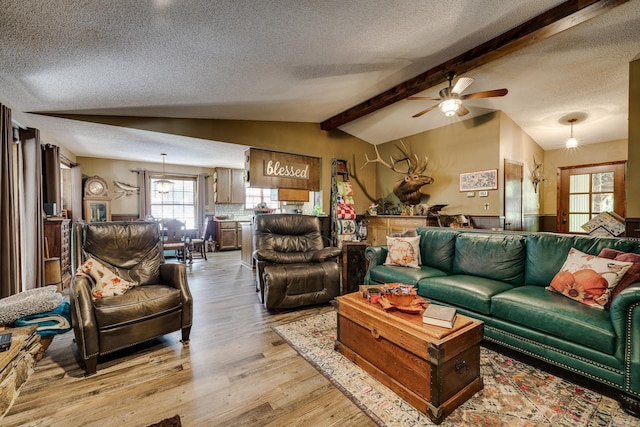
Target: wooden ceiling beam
560 18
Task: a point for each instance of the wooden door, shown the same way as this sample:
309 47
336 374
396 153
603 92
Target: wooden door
513 172
587 190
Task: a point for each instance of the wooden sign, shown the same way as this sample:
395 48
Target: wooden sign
272 169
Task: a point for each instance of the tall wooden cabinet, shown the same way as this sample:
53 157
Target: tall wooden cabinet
58 238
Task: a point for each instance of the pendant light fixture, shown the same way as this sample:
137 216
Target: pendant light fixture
163 185
572 142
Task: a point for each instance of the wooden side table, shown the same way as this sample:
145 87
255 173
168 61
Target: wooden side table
354 266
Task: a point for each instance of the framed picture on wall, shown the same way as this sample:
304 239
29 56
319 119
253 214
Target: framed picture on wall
480 180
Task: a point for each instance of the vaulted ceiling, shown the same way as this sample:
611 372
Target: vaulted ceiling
299 60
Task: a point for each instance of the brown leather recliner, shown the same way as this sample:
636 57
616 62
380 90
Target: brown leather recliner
159 303
293 268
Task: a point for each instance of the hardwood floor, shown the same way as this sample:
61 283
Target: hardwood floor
235 371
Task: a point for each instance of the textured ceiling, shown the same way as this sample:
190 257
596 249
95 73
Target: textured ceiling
297 60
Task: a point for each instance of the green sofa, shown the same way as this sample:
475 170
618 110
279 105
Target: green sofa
500 278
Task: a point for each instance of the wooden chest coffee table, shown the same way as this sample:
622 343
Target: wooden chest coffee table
434 369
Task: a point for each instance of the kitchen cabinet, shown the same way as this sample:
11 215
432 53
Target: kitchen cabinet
228 185
289 195
228 234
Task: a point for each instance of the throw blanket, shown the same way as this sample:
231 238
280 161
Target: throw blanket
29 302
56 321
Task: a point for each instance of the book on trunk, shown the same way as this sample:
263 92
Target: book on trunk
5 341
439 315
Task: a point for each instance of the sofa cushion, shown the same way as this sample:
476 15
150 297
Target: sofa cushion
403 251
546 252
137 305
471 292
535 308
588 279
494 256
409 276
437 247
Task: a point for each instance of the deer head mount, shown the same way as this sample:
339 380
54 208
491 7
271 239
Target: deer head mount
408 188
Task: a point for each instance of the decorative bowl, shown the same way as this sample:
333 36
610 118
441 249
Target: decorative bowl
400 300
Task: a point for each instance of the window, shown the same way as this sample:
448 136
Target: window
254 196
178 203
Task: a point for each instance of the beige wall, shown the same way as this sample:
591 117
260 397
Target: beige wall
299 138
466 146
583 155
121 170
518 146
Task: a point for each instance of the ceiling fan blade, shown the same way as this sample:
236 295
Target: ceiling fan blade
425 111
462 84
486 94
462 111
423 98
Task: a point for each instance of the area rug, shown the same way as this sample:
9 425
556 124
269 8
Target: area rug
168 422
514 394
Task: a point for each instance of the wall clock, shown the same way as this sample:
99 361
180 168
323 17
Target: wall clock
95 187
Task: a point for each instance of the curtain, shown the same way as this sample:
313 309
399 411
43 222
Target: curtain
145 193
51 175
9 249
31 209
201 189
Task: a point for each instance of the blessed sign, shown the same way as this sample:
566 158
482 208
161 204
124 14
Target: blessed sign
294 170
272 169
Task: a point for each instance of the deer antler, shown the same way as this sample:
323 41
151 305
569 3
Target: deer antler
378 159
413 165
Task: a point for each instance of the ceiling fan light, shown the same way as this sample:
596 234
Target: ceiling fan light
572 142
450 106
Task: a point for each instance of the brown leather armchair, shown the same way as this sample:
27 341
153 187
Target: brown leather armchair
159 303
293 268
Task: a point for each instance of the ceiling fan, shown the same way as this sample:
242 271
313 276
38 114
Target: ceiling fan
451 97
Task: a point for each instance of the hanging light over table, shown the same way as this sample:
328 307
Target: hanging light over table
572 142
163 185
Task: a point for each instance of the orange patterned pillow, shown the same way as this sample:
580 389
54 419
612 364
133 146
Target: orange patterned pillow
588 279
107 284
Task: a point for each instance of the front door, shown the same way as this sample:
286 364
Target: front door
587 190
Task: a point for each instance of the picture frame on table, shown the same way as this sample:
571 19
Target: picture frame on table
97 210
480 180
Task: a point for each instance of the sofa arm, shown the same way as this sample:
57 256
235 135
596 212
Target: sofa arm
175 275
376 255
83 319
625 316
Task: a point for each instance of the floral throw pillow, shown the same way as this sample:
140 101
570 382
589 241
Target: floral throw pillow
107 284
588 279
403 251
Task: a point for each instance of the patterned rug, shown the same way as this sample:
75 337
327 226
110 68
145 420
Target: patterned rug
514 394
